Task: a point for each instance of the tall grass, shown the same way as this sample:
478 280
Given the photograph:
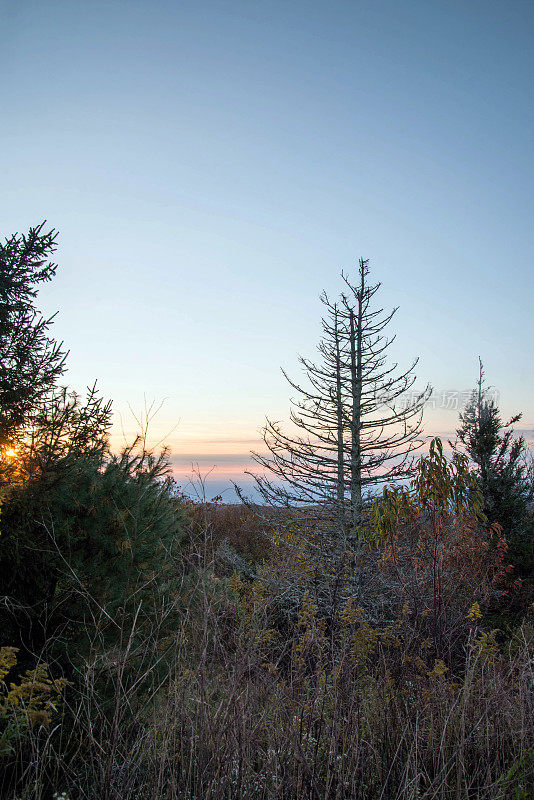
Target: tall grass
244 701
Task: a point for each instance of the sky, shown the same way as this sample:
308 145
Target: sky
211 167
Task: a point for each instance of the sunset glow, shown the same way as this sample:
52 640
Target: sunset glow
236 163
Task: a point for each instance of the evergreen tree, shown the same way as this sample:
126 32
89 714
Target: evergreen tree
30 360
82 530
354 425
499 457
503 466
67 434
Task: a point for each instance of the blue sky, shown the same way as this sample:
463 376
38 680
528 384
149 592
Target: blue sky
212 166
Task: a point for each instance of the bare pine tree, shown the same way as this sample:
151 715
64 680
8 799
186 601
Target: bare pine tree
354 425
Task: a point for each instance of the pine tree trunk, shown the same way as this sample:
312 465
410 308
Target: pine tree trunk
340 427
356 387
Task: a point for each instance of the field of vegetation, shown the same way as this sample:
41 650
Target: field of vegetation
320 644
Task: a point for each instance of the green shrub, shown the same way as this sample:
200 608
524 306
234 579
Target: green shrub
98 536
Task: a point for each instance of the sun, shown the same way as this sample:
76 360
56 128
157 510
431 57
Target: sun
10 453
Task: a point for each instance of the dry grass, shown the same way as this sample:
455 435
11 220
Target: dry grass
246 702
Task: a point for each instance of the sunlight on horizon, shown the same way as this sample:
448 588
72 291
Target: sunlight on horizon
214 169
